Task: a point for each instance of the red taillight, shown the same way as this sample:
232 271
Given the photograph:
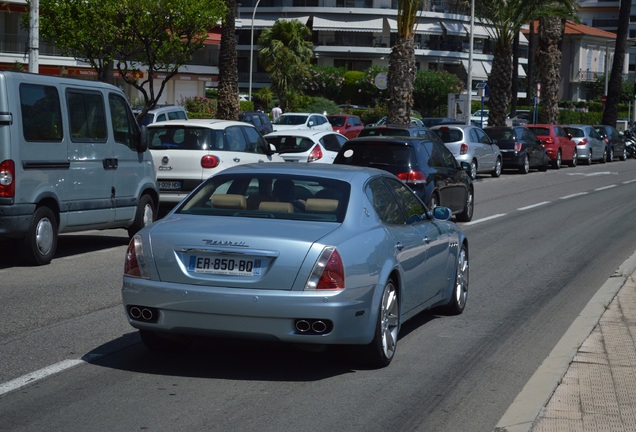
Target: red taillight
209 161
606 139
412 177
463 149
328 272
518 146
7 179
548 140
135 264
583 142
316 153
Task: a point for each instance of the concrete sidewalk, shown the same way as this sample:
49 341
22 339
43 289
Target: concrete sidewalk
588 382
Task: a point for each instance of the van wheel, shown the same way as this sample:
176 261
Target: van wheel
146 214
39 245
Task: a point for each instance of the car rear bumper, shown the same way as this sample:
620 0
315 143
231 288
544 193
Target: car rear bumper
252 314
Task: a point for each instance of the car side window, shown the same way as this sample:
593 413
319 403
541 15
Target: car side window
235 139
257 143
384 202
330 142
41 113
355 121
482 137
161 117
473 135
411 205
256 120
447 158
87 116
124 124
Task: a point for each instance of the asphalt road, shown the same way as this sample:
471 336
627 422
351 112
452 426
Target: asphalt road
540 246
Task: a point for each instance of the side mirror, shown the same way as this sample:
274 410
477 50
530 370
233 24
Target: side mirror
142 146
272 149
310 124
442 213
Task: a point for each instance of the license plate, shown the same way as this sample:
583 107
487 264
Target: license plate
169 185
221 265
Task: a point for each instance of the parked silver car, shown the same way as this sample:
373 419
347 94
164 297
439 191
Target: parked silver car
470 144
590 146
317 264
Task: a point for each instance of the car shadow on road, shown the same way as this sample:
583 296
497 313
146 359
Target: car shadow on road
67 245
240 359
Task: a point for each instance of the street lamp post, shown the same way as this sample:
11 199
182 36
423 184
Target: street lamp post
469 81
252 48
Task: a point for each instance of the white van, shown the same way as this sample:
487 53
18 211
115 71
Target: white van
72 158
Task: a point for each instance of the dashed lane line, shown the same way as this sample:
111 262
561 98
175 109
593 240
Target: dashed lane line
38 375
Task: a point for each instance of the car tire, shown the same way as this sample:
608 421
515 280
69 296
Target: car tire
610 155
158 343
623 156
466 214
557 161
457 302
473 169
524 168
40 243
604 157
145 215
498 168
588 160
381 350
574 160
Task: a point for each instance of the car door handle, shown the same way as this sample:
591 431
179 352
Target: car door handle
237 160
399 246
426 240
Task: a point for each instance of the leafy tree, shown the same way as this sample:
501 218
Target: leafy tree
432 87
285 51
160 36
228 102
615 83
84 30
402 64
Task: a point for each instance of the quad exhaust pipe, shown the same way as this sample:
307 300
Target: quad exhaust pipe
142 313
312 326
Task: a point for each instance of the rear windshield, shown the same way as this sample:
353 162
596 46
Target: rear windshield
392 158
450 135
291 120
337 121
384 132
270 196
539 131
198 138
291 144
575 132
500 134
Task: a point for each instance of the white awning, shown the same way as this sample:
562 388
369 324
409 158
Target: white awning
454 28
258 23
422 27
350 24
479 71
479 31
521 71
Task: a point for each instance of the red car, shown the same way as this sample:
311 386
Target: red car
557 143
348 125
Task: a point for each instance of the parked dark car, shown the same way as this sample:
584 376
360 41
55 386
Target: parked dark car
520 148
259 119
426 166
399 130
434 121
614 140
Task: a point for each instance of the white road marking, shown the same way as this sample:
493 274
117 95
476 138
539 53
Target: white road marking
484 219
574 195
605 188
38 375
534 205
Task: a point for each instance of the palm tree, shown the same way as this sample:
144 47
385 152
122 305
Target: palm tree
286 50
402 64
614 86
228 105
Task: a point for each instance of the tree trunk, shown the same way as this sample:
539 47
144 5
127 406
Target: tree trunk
499 83
228 106
548 59
615 83
400 81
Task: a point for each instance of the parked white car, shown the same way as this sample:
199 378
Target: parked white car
186 152
314 121
480 118
307 145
